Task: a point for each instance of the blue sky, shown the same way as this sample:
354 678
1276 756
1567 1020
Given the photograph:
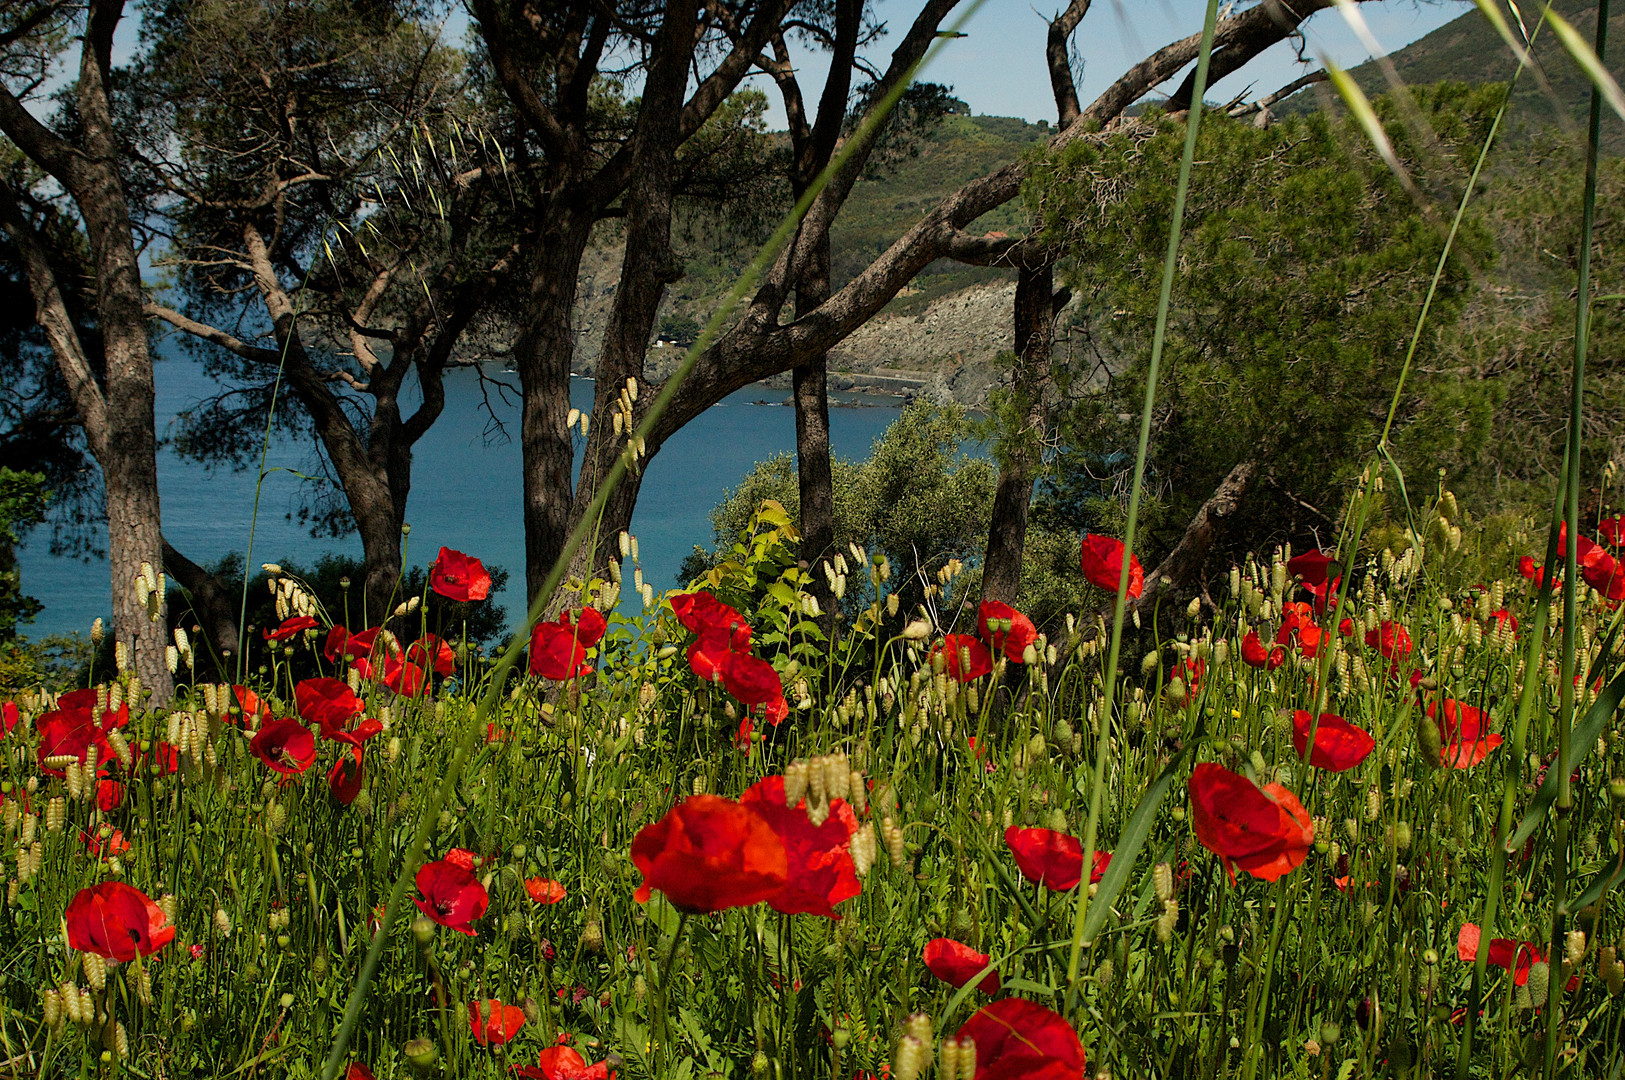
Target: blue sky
998 68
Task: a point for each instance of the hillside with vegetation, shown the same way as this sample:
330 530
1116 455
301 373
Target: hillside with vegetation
1550 101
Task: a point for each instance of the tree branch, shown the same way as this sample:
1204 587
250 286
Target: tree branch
1058 52
210 334
514 83
51 310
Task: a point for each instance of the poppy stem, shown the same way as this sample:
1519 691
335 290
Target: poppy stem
662 998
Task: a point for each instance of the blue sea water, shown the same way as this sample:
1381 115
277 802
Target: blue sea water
465 489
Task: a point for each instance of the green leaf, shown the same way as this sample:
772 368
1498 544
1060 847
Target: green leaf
1128 848
1611 878
1581 742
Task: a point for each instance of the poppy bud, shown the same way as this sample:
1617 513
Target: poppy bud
1330 1033
592 937
1540 976
760 1065
1402 836
420 1053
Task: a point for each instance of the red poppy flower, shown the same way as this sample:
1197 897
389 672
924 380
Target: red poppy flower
702 613
1022 1040
464 858
1310 567
403 677
341 643
67 734
1339 745
358 1072
298 624
254 711
432 654
1264 831
116 921
109 795
710 854
345 777
558 650
1323 593
1255 655
452 895
563 1063
1515 956
544 890
957 964
459 577
965 657
1504 618
708 652
286 746
1463 731
819 872
1601 570
1612 529
84 701
1053 859
113 844
1298 626
1102 561
494 1024
754 682
1014 641
9 715
327 702
1102 860
1391 639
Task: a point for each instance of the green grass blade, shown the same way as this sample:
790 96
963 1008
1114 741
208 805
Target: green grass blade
1589 62
1583 739
1135 833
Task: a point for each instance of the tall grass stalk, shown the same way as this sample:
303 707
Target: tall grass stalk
781 236
1571 582
1193 121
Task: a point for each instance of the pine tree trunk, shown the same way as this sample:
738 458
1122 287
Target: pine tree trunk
1021 454
130 458
543 355
817 484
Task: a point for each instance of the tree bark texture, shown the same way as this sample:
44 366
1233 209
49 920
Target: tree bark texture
117 409
814 476
1021 453
1184 563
